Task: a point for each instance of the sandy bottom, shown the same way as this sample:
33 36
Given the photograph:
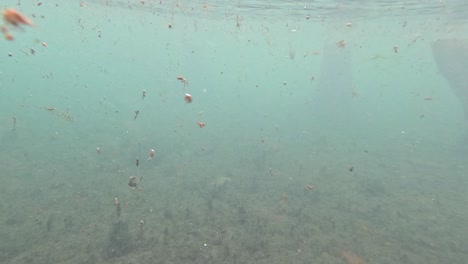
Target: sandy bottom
221 207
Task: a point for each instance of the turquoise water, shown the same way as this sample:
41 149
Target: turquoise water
330 135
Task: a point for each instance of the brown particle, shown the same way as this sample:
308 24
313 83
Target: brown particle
182 79
132 181
351 258
341 44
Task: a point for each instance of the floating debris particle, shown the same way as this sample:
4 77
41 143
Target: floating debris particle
201 124
182 79
132 181
188 98
151 154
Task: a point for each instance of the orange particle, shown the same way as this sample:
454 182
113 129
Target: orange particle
188 98
9 36
15 18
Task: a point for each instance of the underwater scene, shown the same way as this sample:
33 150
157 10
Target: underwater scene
234 131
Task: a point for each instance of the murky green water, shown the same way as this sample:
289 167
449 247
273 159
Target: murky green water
318 132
